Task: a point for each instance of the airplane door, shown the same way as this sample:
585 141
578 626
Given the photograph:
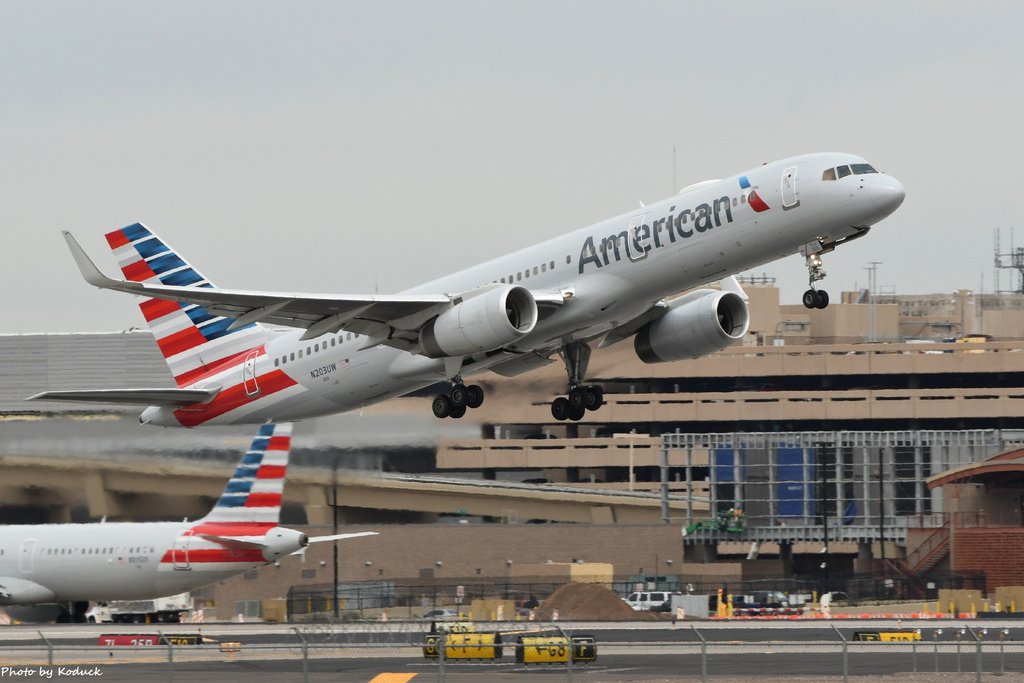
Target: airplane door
637 240
249 374
179 553
790 196
28 554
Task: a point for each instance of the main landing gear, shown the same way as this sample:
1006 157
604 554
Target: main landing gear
814 298
580 398
457 400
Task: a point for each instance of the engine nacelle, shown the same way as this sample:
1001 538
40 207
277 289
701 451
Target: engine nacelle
23 592
697 324
481 323
281 541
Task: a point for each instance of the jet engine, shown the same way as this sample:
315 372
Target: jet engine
697 324
281 541
484 322
23 592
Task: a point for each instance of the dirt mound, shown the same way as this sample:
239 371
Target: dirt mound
590 602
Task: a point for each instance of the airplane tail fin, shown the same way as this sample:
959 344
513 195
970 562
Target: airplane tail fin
253 494
193 341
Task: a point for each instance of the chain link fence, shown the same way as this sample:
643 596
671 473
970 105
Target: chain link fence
356 601
496 652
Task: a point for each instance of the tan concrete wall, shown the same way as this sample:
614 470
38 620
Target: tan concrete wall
714 407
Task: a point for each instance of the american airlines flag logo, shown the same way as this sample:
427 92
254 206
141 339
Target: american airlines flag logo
753 199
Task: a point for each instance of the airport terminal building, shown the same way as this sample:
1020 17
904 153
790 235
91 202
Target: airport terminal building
895 452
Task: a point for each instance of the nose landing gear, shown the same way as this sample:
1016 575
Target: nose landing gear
814 298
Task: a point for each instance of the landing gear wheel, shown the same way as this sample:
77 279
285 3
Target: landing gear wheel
457 411
578 397
822 299
475 396
459 395
595 397
810 299
441 406
577 413
560 408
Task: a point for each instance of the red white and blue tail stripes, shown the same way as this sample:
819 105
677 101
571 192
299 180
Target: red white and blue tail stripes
253 495
234 532
194 342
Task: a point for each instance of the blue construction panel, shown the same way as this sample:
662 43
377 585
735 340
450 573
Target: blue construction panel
791 489
725 464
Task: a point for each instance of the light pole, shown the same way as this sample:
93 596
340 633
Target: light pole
334 526
873 293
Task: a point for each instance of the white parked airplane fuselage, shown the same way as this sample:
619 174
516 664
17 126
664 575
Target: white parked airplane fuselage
103 561
51 563
594 279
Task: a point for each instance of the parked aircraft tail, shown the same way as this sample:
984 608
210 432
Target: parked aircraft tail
245 518
253 494
193 341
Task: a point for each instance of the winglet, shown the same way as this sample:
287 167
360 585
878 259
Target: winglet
89 271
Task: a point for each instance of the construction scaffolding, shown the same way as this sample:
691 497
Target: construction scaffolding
792 485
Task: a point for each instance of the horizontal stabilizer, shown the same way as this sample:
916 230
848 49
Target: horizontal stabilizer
131 397
341 537
301 552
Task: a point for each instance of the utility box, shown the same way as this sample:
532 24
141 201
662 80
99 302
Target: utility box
275 610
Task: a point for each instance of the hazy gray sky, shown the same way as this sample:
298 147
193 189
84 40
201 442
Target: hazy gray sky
343 147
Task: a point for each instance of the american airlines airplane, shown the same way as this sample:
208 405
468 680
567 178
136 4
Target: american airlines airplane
607 282
56 563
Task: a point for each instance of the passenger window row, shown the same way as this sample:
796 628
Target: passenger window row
99 551
315 348
525 274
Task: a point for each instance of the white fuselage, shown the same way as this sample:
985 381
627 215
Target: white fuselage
607 288
107 561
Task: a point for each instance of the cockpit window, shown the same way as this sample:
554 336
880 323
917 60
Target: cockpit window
861 169
843 171
829 174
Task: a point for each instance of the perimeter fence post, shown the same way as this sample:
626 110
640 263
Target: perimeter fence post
846 658
49 649
935 637
442 647
913 651
1002 650
959 634
977 653
703 655
305 654
170 656
569 646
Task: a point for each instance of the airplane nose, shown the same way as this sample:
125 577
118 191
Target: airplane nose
887 193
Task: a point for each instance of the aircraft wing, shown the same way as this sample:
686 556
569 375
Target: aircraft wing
631 327
131 397
378 317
